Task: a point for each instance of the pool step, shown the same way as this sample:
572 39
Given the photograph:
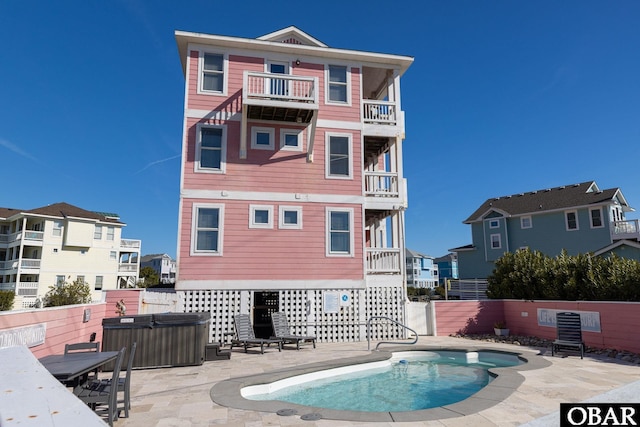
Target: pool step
214 351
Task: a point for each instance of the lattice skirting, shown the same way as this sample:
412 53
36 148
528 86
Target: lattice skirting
306 312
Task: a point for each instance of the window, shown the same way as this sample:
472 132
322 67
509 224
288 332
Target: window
338 84
98 285
339 156
494 223
207 233
339 231
262 138
596 218
110 233
571 220
496 242
260 216
113 255
60 280
80 279
97 233
213 66
57 228
211 148
291 139
290 217
525 222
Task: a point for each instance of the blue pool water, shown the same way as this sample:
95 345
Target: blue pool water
405 384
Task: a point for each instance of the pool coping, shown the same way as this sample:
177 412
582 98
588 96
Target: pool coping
508 379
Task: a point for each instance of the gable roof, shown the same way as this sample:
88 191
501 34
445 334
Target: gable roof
413 254
288 41
62 210
550 199
292 35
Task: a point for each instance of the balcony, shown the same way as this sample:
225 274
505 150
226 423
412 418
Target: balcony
383 260
9 265
29 263
127 268
279 97
625 230
132 245
382 118
384 190
29 289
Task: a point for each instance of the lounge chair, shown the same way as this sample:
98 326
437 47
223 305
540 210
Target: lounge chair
282 331
246 336
569 333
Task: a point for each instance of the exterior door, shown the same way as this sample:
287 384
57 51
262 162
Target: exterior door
278 86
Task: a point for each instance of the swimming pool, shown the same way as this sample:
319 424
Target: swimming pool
408 381
503 381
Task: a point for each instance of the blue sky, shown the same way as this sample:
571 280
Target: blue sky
503 97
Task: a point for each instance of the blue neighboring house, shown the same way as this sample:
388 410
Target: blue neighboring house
578 218
447 267
421 270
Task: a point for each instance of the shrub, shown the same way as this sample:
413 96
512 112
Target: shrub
6 300
77 292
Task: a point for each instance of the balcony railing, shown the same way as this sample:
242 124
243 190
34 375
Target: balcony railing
9 265
381 184
127 268
27 288
130 244
30 263
280 87
33 235
379 112
383 261
625 230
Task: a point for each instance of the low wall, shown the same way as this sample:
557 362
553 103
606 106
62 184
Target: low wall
62 325
618 322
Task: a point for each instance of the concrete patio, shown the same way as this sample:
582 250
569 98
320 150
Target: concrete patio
181 396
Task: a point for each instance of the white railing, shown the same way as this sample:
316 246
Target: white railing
33 235
280 87
625 229
383 260
4 238
379 112
8 265
381 184
127 268
130 244
30 263
27 288
470 289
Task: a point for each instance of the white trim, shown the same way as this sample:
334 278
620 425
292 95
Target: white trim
328 211
223 150
601 217
262 284
281 211
295 132
225 72
272 197
566 220
252 216
254 138
194 229
327 84
522 224
327 139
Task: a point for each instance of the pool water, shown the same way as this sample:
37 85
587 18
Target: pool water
405 384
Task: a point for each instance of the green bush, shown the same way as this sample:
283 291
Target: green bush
77 292
6 300
529 275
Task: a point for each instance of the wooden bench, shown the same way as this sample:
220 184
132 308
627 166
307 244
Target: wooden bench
569 333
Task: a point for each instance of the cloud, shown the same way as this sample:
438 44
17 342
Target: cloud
156 162
11 147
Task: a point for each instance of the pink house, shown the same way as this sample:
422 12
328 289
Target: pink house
292 192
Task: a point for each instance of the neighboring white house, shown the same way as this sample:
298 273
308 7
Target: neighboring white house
61 243
422 272
163 264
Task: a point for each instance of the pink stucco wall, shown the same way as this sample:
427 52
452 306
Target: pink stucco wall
66 324
619 321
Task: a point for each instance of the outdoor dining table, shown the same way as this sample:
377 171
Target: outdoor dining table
72 367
